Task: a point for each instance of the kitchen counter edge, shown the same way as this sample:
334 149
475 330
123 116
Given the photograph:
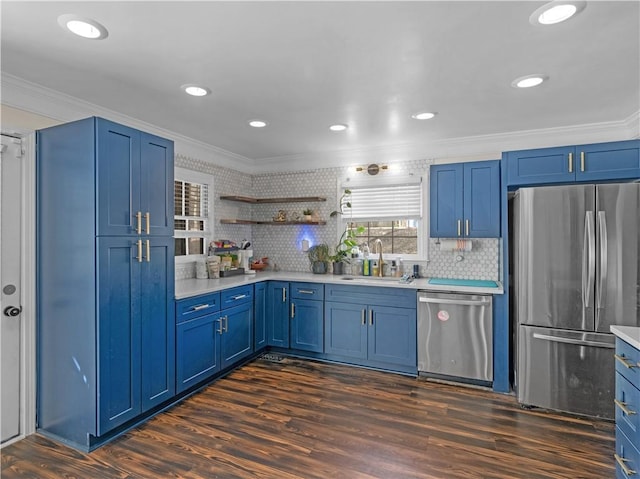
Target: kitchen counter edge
187 288
629 334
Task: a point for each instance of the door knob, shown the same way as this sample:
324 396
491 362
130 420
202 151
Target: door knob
12 311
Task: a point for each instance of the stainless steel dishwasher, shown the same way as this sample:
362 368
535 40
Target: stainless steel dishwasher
455 335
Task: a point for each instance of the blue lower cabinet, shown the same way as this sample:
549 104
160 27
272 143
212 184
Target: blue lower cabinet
627 403
372 335
236 340
392 335
306 325
277 315
259 316
345 330
197 350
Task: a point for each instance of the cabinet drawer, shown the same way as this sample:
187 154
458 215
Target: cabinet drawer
235 296
627 401
628 455
197 306
628 362
371 295
307 291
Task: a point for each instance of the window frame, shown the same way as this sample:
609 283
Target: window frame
423 221
192 176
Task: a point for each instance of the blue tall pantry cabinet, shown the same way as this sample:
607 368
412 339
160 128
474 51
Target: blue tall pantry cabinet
105 279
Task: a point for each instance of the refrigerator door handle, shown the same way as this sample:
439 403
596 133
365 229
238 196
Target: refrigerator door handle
579 342
588 260
602 279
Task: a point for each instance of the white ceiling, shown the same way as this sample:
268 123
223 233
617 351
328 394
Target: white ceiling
302 66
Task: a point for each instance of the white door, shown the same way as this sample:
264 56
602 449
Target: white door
10 294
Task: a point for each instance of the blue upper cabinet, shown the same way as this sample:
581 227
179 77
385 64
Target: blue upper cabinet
135 181
465 200
598 162
608 161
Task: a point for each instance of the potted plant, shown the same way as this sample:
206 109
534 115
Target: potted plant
348 239
318 257
308 214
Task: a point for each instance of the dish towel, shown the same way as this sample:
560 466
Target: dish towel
455 245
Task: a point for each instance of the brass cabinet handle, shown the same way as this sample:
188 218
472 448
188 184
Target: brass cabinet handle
147 217
305 291
466 227
371 317
459 227
627 364
364 317
621 462
293 310
148 251
238 296
582 161
139 257
139 222
284 295
570 162
219 331
623 407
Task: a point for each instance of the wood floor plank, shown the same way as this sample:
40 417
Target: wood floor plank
298 419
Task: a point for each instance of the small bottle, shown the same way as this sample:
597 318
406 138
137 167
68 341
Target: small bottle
400 270
375 268
393 270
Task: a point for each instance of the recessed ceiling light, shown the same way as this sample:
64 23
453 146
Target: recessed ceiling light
425 115
338 127
195 90
257 123
82 26
528 81
556 12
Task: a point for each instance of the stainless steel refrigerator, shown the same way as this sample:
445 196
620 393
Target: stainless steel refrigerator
576 272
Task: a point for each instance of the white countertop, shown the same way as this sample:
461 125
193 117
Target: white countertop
629 334
192 287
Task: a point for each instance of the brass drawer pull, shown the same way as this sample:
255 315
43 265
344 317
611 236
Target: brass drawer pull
625 362
621 462
623 407
305 291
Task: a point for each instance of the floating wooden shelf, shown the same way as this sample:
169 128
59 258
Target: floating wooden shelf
250 222
297 199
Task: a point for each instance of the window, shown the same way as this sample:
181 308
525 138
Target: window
192 221
392 213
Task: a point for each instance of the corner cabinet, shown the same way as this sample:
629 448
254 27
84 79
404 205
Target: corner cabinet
105 279
465 200
619 160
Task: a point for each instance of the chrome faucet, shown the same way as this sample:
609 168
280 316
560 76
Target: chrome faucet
380 262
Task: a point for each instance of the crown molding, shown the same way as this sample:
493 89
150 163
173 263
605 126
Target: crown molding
28 96
471 148
33 98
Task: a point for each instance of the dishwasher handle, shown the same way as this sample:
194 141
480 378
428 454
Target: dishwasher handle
464 302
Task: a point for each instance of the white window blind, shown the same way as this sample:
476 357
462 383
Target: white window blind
396 202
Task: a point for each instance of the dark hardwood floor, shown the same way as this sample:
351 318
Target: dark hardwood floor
306 419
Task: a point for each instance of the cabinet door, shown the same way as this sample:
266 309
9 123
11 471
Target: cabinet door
345 331
157 321
259 311
608 161
119 296
156 184
307 325
197 350
481 199
236 342
278 314
392 335
541 166
118 169
446 207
